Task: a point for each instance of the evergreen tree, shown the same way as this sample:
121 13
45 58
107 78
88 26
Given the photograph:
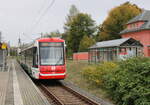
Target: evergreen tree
72 13
85 43
81 25
55 33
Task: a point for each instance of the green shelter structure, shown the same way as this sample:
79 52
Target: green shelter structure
112 50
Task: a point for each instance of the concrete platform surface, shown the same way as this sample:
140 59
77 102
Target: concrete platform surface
16 88
3 86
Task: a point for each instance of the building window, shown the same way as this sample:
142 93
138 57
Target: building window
134 25
149 51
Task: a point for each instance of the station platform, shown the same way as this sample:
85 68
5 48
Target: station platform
16 88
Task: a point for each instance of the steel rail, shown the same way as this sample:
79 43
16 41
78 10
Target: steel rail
59 102
83 97
51 95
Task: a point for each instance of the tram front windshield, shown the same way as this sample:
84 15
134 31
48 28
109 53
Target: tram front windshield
51 53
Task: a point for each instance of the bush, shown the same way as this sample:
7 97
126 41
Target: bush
95 73
129 84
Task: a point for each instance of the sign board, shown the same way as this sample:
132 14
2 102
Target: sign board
49 44
4 46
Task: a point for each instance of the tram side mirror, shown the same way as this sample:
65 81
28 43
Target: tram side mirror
65 44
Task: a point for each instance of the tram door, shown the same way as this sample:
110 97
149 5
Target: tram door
35 58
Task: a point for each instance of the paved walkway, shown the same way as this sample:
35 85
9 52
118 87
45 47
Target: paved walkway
3 84
16 88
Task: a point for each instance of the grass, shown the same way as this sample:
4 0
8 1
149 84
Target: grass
74 75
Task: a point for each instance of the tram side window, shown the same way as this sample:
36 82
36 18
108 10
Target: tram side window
35 57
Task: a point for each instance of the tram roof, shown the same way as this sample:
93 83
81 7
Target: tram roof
33 44
50 40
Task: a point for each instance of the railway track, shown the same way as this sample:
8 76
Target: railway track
63 95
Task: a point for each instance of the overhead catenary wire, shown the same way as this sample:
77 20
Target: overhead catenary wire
42 7
27 34
42 15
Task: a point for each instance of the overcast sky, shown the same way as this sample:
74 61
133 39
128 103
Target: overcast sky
18 17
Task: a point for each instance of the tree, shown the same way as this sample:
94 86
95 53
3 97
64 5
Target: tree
81 25
72 13
85 43
116 20
55 33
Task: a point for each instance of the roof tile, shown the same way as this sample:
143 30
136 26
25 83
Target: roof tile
144 16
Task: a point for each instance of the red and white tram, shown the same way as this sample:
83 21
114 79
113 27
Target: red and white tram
45 58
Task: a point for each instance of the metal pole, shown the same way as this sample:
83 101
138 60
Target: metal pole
3 60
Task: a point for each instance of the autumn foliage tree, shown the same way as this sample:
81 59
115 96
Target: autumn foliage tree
116 20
